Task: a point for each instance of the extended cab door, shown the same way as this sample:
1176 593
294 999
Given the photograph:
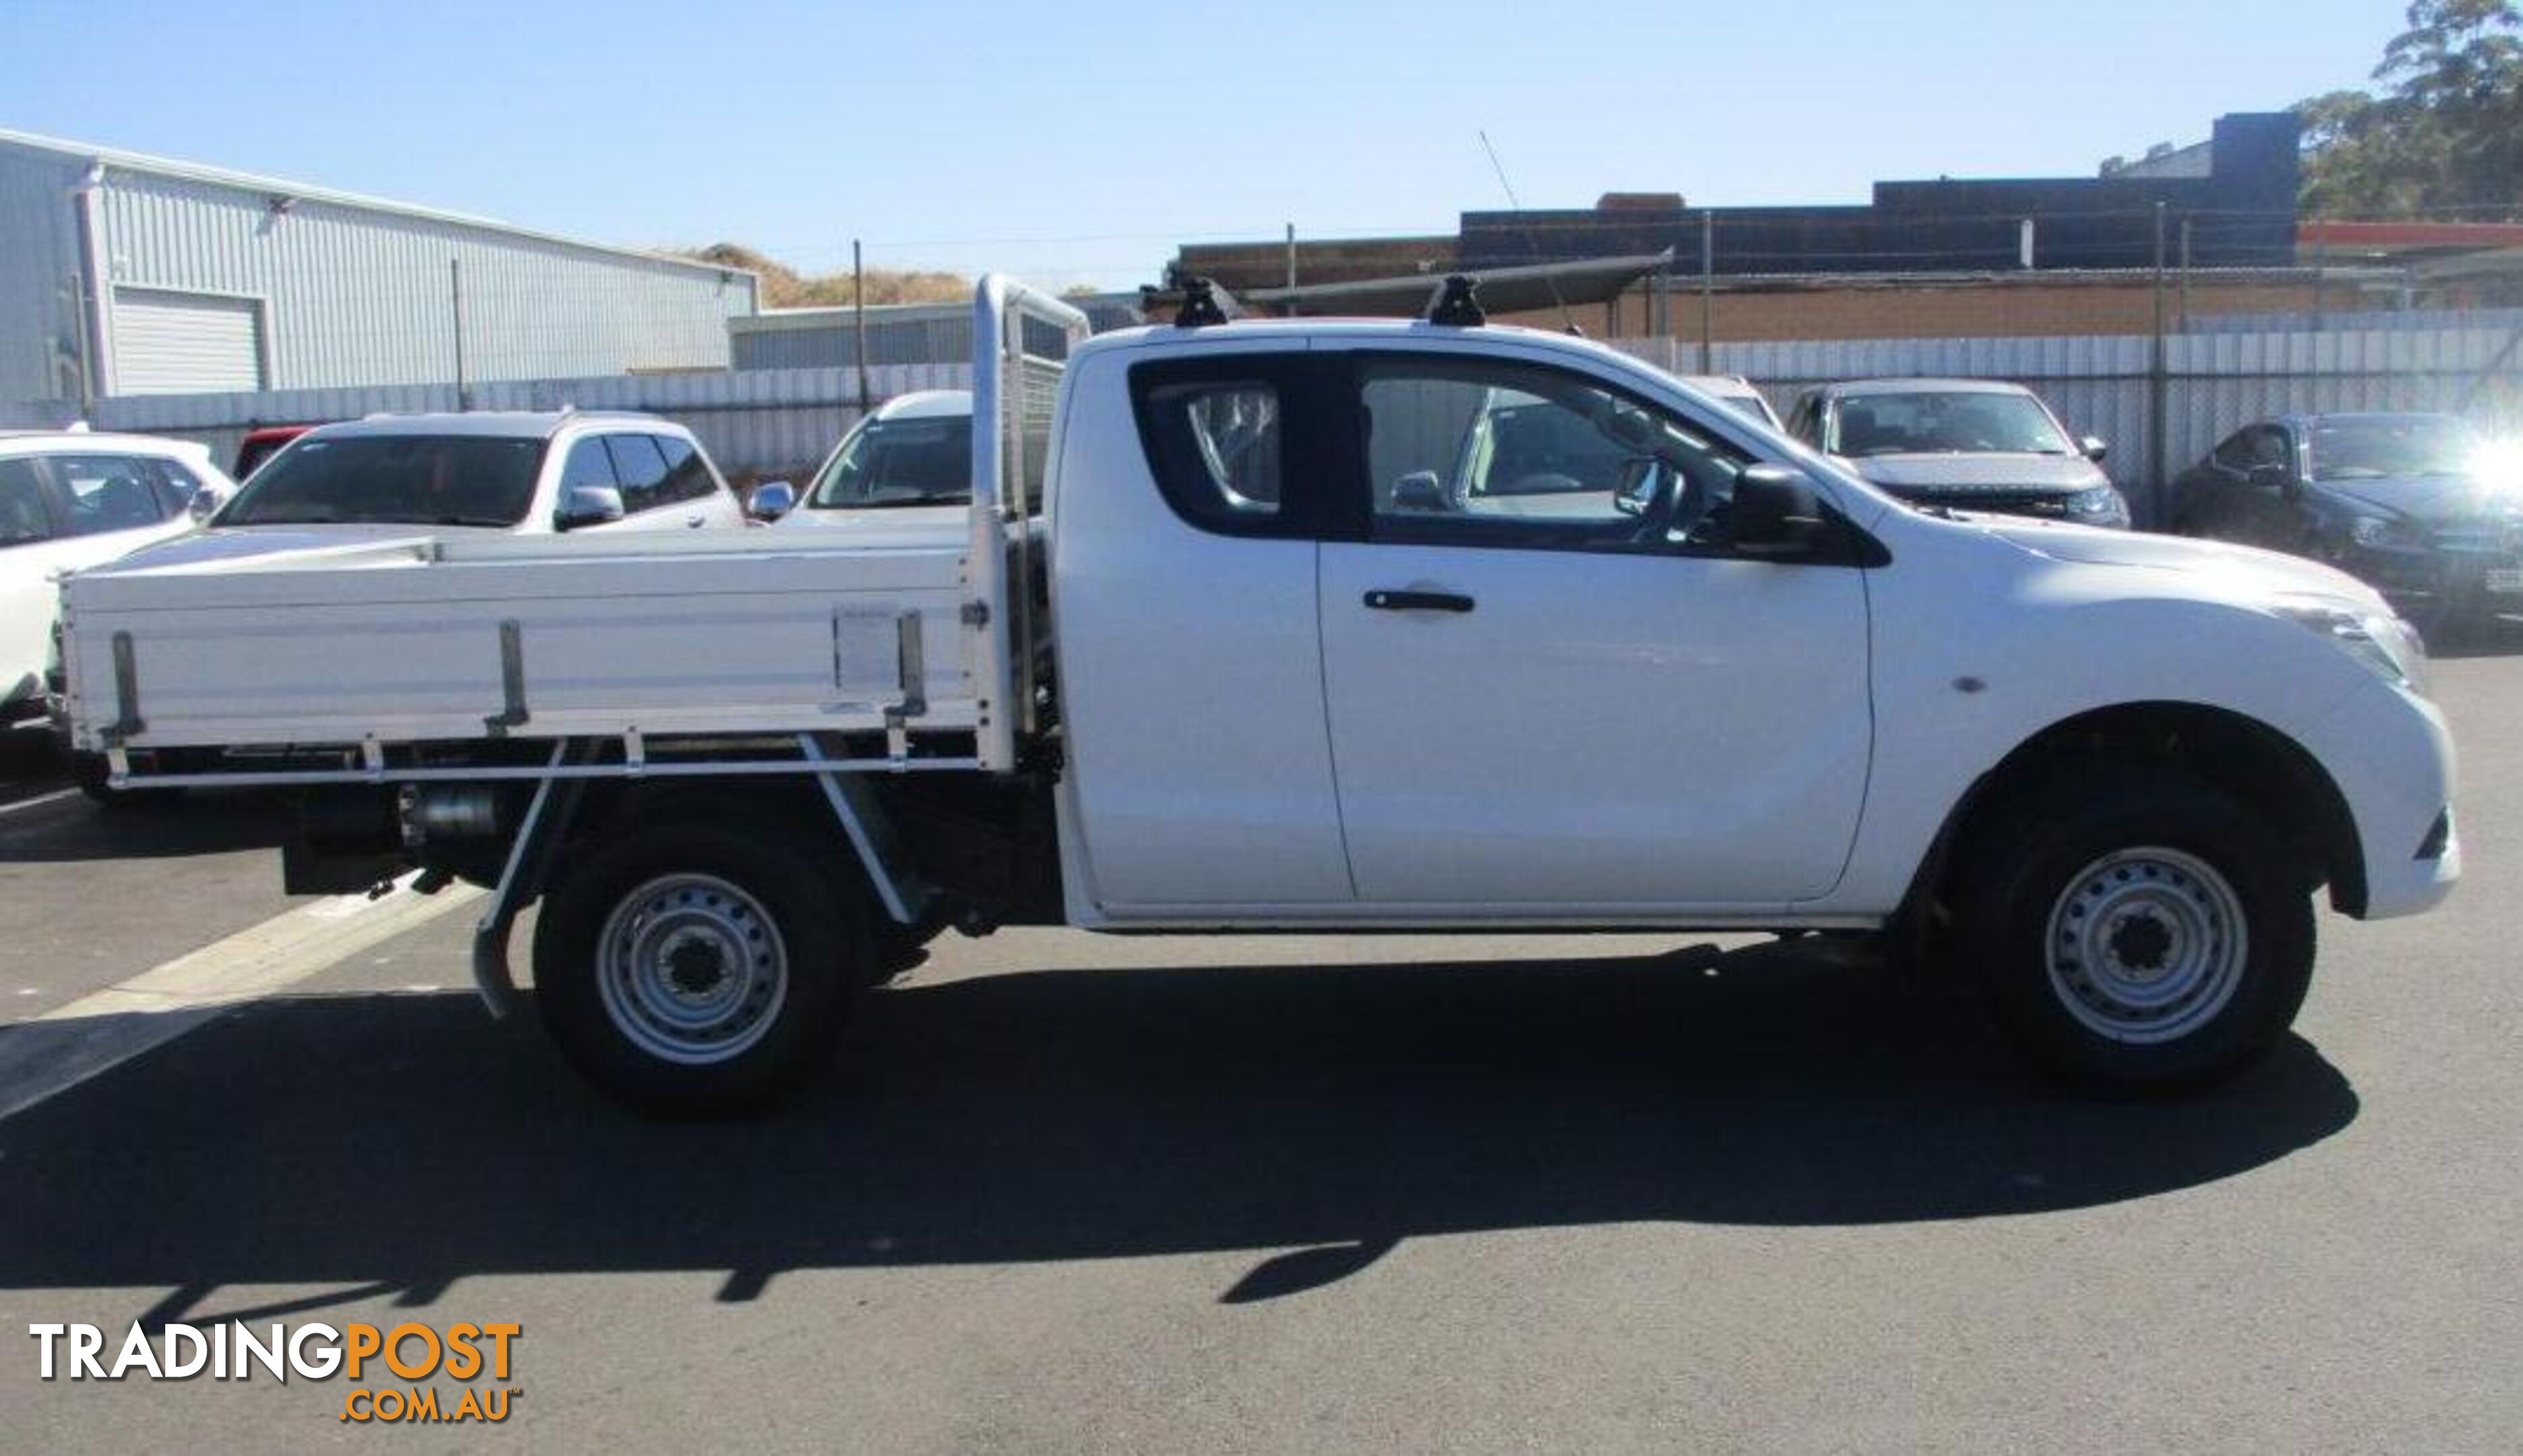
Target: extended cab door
1190 674
1551 688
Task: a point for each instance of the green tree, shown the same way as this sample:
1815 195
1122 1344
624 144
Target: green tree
2446 134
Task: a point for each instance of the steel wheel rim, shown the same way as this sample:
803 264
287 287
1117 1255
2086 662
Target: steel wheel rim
691 970
2146 945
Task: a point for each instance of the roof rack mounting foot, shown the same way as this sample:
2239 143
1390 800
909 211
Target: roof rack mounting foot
1205 303
1457 303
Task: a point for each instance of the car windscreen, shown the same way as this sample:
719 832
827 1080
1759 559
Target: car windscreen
899 462
417 479
1958 422
2387 449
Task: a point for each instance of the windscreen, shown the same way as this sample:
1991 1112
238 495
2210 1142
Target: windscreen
899 462
1958 422
417 479
2415 445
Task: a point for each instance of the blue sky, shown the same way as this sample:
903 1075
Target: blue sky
1080 142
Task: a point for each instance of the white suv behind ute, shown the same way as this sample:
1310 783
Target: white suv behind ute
445 474
72 499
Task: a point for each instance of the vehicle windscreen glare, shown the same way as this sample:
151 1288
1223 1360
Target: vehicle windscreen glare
899 462
2385 449
415 479
1958 423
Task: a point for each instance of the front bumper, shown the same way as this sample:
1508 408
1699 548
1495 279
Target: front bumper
2414 575
2391 756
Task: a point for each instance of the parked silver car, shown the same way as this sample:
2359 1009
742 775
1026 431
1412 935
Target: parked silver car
1979 444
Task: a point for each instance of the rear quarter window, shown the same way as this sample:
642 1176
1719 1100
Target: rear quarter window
1219 442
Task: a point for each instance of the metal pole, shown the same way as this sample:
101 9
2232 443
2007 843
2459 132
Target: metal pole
2320 266
858 333
2181 318
2158 395
455 309
1707 288
1292 255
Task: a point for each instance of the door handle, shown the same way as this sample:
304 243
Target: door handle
1419 601
696 522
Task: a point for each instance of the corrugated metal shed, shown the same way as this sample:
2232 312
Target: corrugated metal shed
334 289
42 334
824 338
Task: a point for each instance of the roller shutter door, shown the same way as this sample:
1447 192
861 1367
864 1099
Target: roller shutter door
185 344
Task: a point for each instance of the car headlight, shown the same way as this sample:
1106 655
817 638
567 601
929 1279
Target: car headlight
2374 531
2100 505
2388 646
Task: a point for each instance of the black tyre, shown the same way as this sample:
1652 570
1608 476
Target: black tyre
2139 930
90 772
696 969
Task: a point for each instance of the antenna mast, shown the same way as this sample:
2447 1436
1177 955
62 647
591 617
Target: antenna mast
1529 237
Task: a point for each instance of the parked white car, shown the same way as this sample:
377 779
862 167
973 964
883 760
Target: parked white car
909 463
1736 390
72 499
457 474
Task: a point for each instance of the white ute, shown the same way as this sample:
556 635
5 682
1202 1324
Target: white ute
1330 625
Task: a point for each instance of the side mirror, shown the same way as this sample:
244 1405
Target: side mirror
206 503
2268 477
588 505
1777 515
2094 448
1419 490
770 501
1637 488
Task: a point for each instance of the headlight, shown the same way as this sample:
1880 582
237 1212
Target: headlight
2102 506
2387 645
2374 531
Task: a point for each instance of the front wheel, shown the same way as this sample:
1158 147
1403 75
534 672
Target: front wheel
2141 932
696 969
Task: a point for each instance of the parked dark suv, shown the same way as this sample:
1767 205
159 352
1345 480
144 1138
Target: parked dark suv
2401 500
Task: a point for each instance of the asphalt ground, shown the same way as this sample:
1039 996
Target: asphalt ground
1068 1192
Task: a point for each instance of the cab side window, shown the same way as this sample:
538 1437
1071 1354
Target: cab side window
641 469
109 493
688 472
24 518
177 485
1217 440
1464 451
2252 448
588 465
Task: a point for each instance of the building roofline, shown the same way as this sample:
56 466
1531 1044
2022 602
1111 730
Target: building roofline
816 315
191 171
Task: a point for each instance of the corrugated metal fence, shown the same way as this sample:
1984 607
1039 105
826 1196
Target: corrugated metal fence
766 422
2158 424
756 423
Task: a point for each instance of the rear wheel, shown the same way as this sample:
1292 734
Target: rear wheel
694 969
2140 930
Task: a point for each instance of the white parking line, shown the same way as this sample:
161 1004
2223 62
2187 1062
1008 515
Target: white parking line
55 797
100 1031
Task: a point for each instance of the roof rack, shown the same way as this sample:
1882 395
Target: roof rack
1456 302
1205 303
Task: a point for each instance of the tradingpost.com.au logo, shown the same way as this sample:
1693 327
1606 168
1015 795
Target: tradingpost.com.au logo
463 1352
